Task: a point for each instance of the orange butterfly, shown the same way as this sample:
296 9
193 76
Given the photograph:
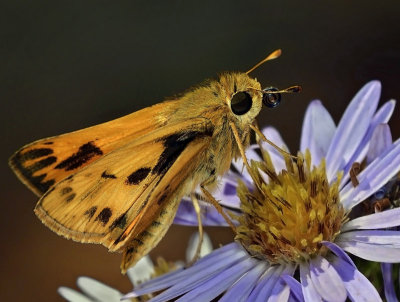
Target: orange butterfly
120 183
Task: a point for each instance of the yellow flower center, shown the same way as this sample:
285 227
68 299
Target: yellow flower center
286 219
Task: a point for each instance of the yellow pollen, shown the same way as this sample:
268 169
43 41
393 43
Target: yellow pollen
286 219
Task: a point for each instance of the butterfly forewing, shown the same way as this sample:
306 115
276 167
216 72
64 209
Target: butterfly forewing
119 195
45 162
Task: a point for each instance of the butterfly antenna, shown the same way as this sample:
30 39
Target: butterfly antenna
275 54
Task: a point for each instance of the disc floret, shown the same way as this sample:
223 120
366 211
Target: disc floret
286 219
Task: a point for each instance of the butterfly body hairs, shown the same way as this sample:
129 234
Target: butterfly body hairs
119 183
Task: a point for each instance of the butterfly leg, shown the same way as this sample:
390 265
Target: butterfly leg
240 145
197 209
242 152
215 203
262 137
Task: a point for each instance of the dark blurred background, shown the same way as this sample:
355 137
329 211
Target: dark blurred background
66 65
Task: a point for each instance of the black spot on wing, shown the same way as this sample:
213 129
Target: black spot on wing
17 162
90 213
35 153
155 223
174 145
129 252
70 197
162 198
139 242
48 161
120 222
106 175
137 176
65 190
84 154
104 216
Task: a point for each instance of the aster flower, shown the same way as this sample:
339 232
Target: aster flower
93 290
297 217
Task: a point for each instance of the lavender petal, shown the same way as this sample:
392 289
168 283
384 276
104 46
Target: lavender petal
381 140
388 282
326 280
317 132
241 289
72 295
379 246
276 157
352 128
338 252
266 283
206 246
97 290
359 288
385 219
186 215
295 287
141 271
388 238
377 174
214 262
210 288
251 154
281 290
309 291
382 116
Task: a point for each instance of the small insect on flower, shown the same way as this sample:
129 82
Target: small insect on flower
119 183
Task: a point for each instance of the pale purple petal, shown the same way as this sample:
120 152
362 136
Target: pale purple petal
338 252
317 132
72 295
186 215
206 246
203 269
375 175
352 128
359 288
385 219
238 163
309 291
379 246
374 165
225 193
295 287
281 291
326 280
381 140
276 157
388 282
266 283
97 290
382 116
209 287
242 289
141 271
389 238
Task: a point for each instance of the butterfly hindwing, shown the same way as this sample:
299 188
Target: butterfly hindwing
117 197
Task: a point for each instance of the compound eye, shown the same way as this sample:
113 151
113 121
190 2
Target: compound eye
241 103
271 99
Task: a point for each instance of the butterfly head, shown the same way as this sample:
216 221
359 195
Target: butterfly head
245 97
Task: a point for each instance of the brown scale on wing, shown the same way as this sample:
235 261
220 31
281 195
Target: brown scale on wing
43 163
